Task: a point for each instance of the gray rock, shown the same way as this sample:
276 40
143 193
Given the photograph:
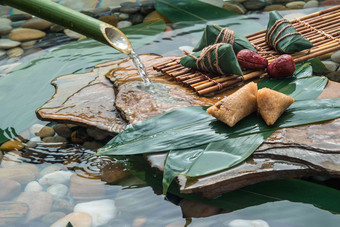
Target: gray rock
62 130
31 144
96 134
52 217
56 28
5 21
147 7
46 131
9 189
235 7
33 186
17 24
7 43
20 16
330 65
336 56
15 52
101 9
311 4
254 4
136 18
130 7
5 29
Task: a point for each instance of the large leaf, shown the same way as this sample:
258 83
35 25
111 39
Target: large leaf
198 13
29 87
7 134
192 126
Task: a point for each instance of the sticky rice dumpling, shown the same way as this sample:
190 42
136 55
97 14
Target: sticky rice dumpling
271 104
217 58
236 106
216 34
283 37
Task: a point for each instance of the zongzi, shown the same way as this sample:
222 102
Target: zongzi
218 58
215 34
283 37
271 104
236 106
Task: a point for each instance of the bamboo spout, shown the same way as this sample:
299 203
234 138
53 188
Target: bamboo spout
75 21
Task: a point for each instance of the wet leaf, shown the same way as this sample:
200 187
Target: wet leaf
7 134
26 89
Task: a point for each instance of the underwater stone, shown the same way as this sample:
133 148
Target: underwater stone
124 24
101 211
12 158
62 130
9 189
80 219
57 190
5 29
7 43
20 16
336 56
57 177
28 44
15 52
33 186
86 189
254 5
52 217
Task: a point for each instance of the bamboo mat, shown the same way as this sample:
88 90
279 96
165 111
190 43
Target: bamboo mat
321 28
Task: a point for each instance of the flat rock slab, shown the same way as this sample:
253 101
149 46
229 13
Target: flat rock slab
92 100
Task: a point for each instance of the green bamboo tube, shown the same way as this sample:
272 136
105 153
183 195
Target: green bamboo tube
78 22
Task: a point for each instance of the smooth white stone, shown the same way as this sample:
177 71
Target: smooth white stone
57 177
57 190
311 4
33 186
35 139
77 219
123 24
49 169
36 128
123 16
101 211
248 223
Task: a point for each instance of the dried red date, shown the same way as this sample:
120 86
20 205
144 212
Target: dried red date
251 60
282 67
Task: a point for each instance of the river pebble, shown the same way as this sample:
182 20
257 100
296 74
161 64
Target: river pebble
46 131
110 19
330 65
62 205
235 7
52 217
147 7
21 173
57 28
7 43
25 34
130 7
77 219
101 211
39 203
277 7
9 189
62 130
79 136
73 34
20 16
28 44
12 145
34 129
136 18
57 177
33 186
113 173
12 158
248 223
311 4
336 56
5 29
58 190
36 23
254 4
92 145
15 52
96 134
123 24
55 141
194 209
295 5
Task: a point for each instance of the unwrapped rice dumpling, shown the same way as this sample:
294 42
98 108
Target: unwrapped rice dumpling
215 34
236 106
218 58
271 104
283 37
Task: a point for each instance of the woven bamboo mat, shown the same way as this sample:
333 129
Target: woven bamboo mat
321 28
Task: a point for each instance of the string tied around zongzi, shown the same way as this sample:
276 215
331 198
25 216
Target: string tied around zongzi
274 28
206 53
228 36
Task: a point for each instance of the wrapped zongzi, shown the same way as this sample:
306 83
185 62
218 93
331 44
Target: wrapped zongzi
218 58
283 37
216 34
